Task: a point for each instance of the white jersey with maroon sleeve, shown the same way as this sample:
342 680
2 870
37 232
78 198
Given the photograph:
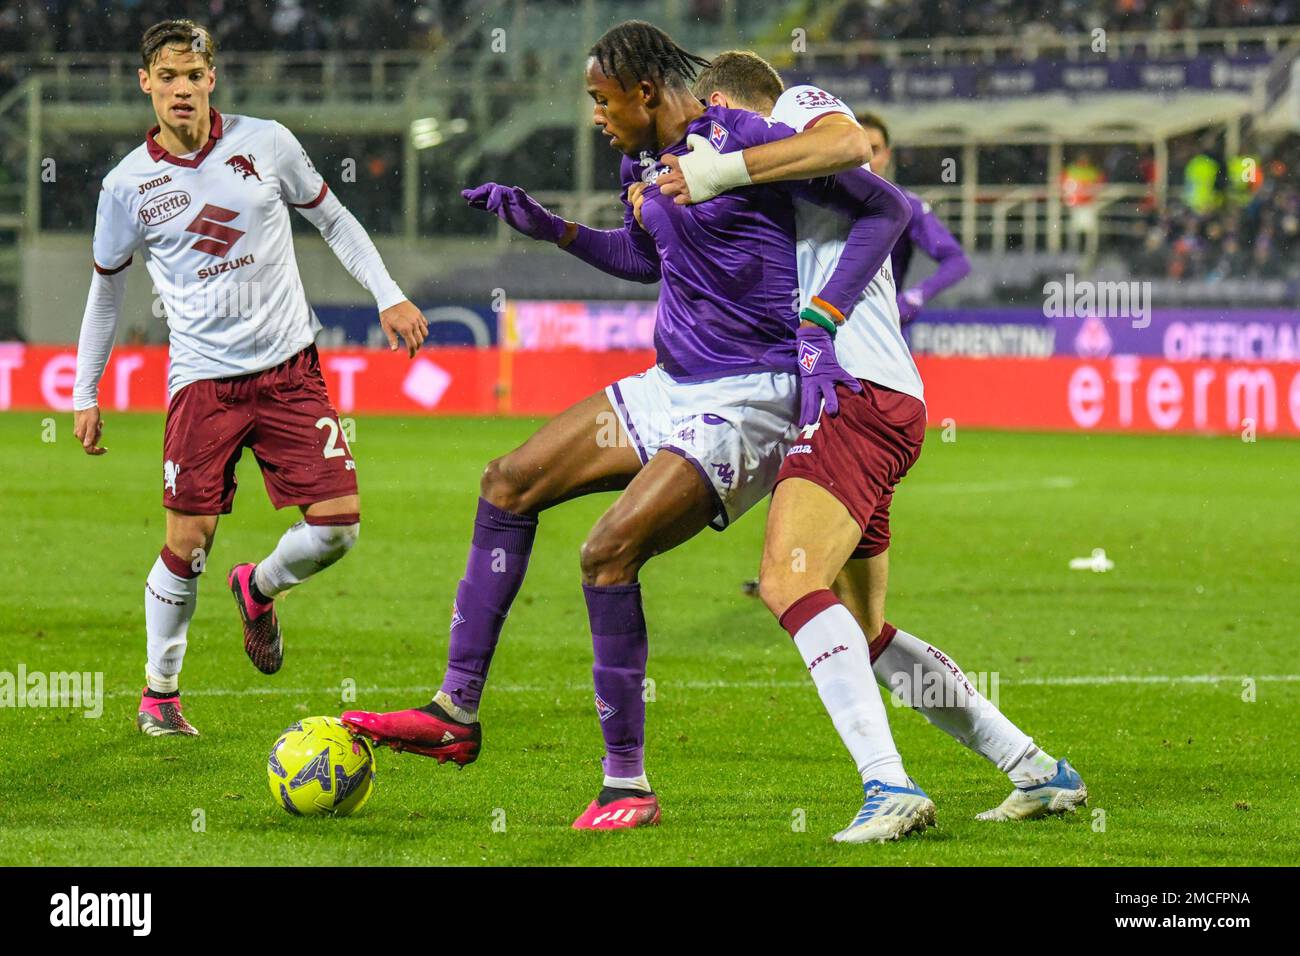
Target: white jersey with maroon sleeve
214 232
870 343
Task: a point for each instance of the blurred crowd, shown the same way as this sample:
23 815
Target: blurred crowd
44 26
41 26
920 19
1237 234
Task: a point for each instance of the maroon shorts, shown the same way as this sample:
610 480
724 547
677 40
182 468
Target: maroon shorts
283 413
860 455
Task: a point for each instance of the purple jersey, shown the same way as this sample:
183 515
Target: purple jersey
925 230
730 282
729 296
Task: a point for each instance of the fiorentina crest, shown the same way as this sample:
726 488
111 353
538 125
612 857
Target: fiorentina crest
1093 340
603 710
717 136
808 356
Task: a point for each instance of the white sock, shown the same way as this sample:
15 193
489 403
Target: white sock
834 650
628 783
454 710
1035 767
168 606
302 551
930 681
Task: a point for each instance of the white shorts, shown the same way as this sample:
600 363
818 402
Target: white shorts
734 430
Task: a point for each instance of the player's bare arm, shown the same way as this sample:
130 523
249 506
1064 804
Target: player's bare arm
833 144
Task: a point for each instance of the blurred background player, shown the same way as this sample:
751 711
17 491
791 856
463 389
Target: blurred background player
693 442
206 198
839 480
925 231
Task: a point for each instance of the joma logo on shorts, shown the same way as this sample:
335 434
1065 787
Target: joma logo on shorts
800 450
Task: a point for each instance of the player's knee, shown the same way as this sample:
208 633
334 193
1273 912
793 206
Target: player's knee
608 558
334 541
778 587
192 540
504 485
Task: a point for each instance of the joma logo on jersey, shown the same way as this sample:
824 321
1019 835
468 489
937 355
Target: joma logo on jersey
164 206
243 165
219 238
161 180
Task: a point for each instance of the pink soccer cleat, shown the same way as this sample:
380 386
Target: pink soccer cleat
429 731
262 640
162 717
619 810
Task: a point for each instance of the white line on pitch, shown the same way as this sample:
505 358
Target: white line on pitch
1101 680
990 487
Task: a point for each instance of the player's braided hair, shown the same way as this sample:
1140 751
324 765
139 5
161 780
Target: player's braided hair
636 50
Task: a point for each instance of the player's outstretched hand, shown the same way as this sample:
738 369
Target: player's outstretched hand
819 373
89 429
407 323
516 209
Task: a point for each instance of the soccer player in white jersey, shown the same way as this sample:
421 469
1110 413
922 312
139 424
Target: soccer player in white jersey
205 199
840 481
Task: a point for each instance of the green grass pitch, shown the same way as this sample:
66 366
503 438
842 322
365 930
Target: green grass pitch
749 770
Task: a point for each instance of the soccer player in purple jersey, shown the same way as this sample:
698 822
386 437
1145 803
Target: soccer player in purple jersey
694 441
924 231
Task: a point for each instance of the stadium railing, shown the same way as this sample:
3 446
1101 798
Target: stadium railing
491 104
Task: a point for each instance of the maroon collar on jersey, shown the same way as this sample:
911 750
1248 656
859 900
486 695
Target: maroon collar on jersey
157 153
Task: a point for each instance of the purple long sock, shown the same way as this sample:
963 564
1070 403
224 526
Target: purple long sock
618 638
498 558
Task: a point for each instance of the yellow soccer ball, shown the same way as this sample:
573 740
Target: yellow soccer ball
319 767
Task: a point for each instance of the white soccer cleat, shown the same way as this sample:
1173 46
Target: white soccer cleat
1064 793
888 813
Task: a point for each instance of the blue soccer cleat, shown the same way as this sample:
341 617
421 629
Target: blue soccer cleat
1064 793
888 813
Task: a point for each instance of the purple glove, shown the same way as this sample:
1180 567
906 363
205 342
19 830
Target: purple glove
819 373
517 209
909 305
